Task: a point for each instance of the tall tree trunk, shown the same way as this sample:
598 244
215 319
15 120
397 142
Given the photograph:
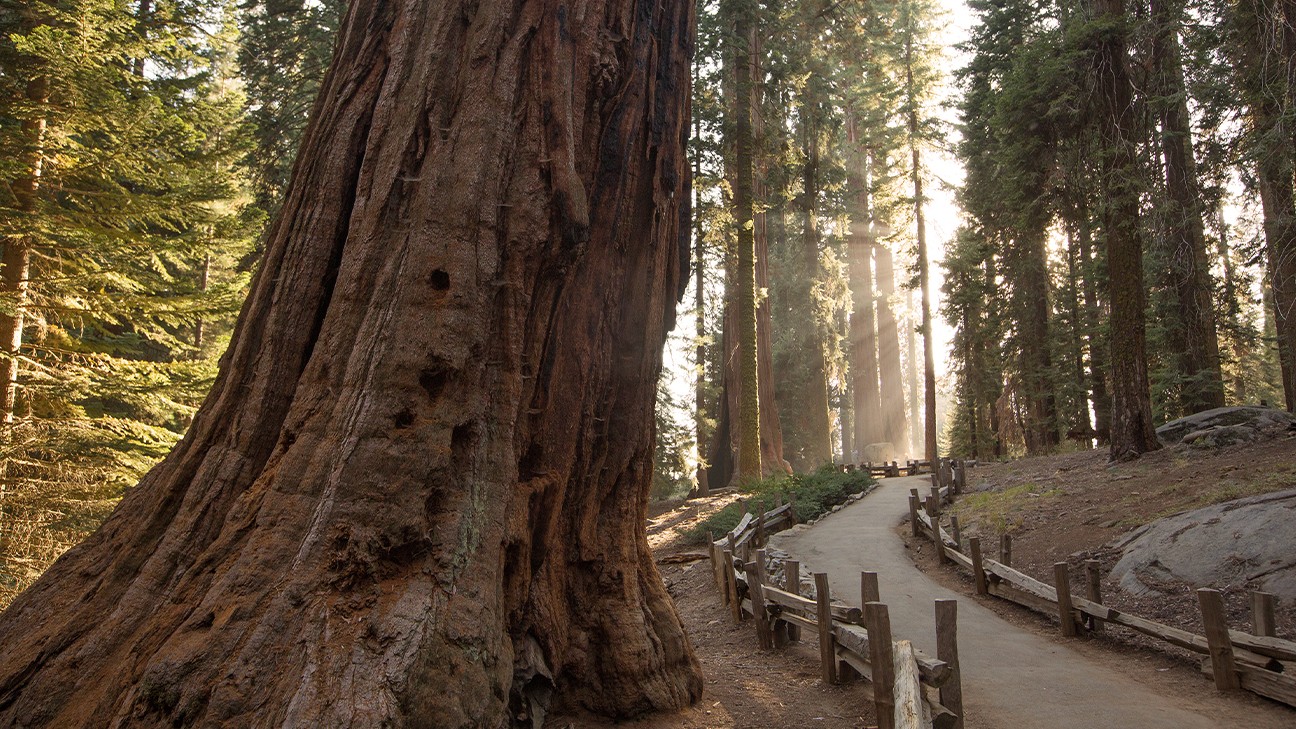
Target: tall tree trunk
200 325
1198 357
924 284
415 495
1282 247
1132 432
700 331
1275 175
1080 417
865 396
1094 341
1031 302
890 375
15 264
744 286
916 436
818 433
1232 306
924 288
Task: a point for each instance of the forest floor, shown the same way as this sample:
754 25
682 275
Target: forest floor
1072 507
746 687
1063 507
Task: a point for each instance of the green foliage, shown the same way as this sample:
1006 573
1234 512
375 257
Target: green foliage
136 228
815 493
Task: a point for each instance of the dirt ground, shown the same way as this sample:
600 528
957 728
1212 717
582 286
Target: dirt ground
746 687
1058 508
1070 507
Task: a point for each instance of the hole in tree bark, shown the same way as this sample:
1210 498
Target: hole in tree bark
433 380
404 419
440 280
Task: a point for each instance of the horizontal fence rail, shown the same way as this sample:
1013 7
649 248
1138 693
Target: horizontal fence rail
909 689
1258 662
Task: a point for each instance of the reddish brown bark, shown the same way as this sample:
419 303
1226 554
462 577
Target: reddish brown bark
1192 336
1132 432
415 496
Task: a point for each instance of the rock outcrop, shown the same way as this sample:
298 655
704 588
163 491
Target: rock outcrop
1226 426
1249 541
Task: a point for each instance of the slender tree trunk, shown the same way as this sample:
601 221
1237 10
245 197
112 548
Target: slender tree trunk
916 436
1031 301
1199 358
1232 319
924 288
699 320
1080 417
200 326
415 495
15 264
1094 341
749 439
890 375
818 435
924 285
1132 432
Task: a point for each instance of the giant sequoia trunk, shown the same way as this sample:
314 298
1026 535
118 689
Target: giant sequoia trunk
415 495
1193 335
1132 433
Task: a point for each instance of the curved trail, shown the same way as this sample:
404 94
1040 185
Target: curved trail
1011 677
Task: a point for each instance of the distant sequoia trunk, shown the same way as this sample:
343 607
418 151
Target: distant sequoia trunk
415 496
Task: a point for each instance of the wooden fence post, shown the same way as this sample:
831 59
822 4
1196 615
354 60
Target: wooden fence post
882 658
756 578
792 583
1062 582
735 596
934 512
978 567
715 563
1217 638
1005 550
823 616
951 693
960 478
911 710
913 512
1262 614
759 539
1093 583
954 532
869 589
936 497
792 515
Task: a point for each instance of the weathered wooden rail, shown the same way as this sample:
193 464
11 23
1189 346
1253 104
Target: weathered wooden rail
909 689
947 470
1259 662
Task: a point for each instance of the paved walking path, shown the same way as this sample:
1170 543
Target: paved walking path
1012 677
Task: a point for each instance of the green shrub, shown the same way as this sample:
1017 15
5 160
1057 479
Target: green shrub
815 494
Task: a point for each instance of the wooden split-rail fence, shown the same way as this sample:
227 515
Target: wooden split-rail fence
909 689
1258 662
947 471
